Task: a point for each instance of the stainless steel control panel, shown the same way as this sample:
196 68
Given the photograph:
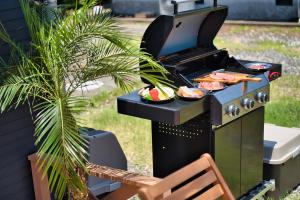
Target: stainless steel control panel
245 104
238 100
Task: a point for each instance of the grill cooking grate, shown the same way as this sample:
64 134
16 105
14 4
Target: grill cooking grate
182 58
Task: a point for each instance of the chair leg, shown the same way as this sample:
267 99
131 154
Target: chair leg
40 184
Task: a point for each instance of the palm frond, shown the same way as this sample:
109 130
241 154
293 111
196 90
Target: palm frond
73 49
59 142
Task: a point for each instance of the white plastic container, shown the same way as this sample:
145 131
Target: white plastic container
281 158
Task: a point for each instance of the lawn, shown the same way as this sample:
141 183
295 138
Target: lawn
284 108
133 133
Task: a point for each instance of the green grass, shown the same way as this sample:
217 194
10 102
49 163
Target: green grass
221 43
134 134
286 86
240 29
274 29
284 108
266 45
284 112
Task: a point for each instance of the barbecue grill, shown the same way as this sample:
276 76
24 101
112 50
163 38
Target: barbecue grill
228 124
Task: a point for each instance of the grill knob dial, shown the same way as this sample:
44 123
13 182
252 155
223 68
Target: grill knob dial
233 110
262 97
248 103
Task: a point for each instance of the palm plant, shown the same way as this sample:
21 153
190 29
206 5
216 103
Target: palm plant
69 50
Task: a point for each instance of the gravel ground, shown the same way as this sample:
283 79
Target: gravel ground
252 34
295 195
291 65
288 37
280 42
144 169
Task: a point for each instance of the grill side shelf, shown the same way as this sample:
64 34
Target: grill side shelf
176 112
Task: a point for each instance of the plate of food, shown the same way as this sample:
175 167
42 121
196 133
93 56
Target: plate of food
254 66
186 93
161 94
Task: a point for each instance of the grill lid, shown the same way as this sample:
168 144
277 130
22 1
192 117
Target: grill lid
191 29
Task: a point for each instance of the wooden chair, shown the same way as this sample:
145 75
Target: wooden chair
200 180
209 183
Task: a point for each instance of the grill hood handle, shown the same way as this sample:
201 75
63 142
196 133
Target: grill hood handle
177 2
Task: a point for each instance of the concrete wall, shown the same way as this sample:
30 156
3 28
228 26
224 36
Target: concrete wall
260 10
165 7
238 9
156 7
131 7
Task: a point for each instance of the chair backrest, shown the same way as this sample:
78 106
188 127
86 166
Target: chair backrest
200 180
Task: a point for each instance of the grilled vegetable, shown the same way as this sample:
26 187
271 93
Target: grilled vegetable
157 94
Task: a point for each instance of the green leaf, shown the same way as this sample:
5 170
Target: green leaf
69 50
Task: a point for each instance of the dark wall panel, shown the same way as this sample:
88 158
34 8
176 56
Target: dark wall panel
11 14
14 26
12 19
16 143
16 125
9 4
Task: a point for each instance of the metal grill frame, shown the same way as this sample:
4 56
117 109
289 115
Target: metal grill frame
184 141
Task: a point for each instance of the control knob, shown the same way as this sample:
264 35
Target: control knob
248 103
233 110
262 97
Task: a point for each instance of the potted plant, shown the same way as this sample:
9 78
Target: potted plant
69 50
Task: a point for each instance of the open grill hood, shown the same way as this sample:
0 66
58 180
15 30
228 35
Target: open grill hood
183 44
167 35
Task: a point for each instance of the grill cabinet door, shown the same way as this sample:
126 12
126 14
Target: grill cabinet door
228 154
252 149
239 151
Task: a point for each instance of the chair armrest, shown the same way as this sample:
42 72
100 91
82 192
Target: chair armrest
125 177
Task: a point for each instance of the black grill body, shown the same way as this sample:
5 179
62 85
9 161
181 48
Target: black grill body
180 135
183 130
237 148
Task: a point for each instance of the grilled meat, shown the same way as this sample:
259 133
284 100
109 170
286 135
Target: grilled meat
211 85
